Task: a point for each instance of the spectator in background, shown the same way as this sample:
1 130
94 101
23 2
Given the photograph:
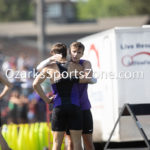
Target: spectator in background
18 106
36 108
13 106
16 110
25 81
40 109
22 109
20 61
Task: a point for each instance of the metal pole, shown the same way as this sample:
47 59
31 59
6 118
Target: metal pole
41 29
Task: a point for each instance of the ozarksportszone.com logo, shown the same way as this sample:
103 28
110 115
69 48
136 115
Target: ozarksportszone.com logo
128 60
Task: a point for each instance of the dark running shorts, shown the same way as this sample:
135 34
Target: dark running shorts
66 117
87 122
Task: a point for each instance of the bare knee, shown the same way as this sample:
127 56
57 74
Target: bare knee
76 139
88 142
69 143
57 140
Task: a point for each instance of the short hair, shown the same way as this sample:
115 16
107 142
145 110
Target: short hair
77 45
59 48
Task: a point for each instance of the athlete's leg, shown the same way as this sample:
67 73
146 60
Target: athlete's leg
69 142
58 127
3 143
57 139
87 130
75 127
76 139
88 141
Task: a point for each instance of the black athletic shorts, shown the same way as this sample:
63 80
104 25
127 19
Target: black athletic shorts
87 122
66 117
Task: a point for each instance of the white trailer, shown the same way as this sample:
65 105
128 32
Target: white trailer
120 59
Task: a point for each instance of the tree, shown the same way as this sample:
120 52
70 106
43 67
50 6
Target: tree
12 10
141 6
93 9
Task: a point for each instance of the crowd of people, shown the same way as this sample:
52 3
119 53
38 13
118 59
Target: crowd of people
69 80
22 104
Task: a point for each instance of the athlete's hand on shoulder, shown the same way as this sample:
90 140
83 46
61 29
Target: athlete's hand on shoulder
54 58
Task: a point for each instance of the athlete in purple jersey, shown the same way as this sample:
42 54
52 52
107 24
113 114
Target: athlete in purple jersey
66 113
84 100
76 52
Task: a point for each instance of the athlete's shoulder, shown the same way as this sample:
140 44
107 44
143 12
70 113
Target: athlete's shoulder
86 62
51 66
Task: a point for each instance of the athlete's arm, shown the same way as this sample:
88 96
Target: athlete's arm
43 64
77 71
48 61
7 86
88 69
37 85
88 74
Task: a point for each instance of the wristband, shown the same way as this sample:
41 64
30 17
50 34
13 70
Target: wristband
93 80
43 64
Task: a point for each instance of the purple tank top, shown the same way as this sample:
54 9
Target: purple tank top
83 95
71 98
66 91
